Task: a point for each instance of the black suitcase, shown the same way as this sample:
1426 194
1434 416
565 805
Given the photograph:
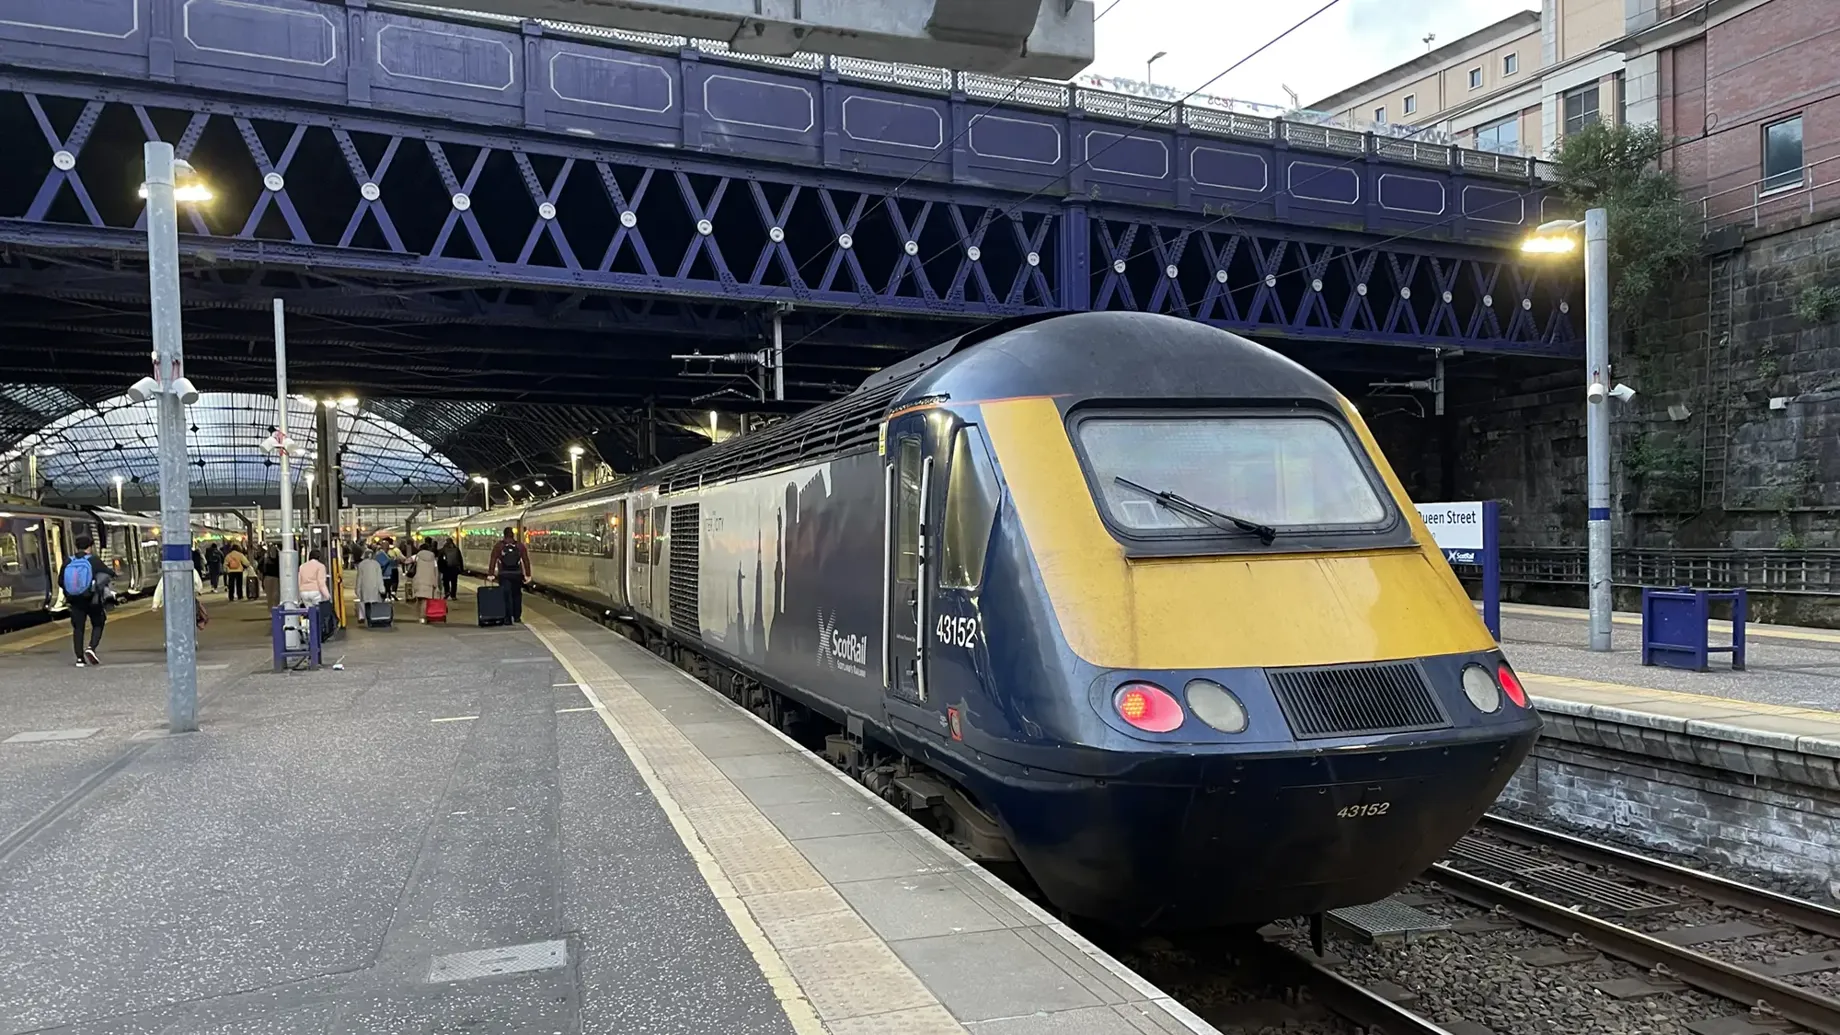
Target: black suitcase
492 608
379 614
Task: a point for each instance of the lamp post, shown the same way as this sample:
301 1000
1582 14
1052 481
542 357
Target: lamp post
486 483
170 182
575 453
1149 67
118 480
1555 238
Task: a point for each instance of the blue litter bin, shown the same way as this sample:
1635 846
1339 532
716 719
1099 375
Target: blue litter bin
1675 625
310 641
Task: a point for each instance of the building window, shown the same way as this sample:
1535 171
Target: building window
1510 64
1475 78
1580 108
1411 103
1502 137
1380 115
1782 154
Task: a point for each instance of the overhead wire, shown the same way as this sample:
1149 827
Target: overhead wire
1013 209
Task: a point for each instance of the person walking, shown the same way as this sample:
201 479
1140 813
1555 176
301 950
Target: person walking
271 575
427 576
234 562
370 585
389 559
213 565
86 591
510 568
452 564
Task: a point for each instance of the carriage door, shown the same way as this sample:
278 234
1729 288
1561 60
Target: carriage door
907 474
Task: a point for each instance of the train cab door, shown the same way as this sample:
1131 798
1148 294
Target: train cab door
907 485
639 576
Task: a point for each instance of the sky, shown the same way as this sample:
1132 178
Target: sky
1349 42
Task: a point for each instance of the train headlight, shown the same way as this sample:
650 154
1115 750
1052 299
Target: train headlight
1147 707
1215 705
1480 688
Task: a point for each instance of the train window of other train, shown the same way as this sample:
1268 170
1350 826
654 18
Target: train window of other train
1283 471
971 509
907 513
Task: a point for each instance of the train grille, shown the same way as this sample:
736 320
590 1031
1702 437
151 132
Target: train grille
1340 700
685 543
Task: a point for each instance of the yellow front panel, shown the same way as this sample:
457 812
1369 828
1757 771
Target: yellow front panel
1218 612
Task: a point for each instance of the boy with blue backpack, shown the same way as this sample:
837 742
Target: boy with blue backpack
85 582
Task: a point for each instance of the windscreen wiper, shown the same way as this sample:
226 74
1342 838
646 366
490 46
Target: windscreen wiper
1266 533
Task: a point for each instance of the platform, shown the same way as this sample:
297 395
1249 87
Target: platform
1787 665
509 830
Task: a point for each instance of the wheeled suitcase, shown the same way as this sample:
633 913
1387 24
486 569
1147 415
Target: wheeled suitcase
379 615
437 609
492 608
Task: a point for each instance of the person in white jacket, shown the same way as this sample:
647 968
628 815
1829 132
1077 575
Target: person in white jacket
159 596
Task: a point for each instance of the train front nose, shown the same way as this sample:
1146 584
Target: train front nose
1229 840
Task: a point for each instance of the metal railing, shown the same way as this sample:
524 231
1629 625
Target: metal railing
1213 116
1806 572
1727 206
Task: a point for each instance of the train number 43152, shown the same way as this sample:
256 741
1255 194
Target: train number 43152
1378 808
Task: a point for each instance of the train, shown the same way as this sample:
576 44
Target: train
1127 601
36 539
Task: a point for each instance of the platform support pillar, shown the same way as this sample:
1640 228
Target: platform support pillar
176 569
1597 421
290 554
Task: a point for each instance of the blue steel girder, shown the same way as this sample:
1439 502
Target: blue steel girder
386 196
350 191
1321 285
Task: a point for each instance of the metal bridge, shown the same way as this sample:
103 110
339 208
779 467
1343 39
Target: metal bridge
540 211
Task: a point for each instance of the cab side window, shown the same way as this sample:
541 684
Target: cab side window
972 497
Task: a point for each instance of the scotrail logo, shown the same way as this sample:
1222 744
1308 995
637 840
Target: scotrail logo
847 651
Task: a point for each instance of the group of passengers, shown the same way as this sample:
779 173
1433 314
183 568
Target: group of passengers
433 569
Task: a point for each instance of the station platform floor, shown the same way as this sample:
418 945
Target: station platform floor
536 829
1786 666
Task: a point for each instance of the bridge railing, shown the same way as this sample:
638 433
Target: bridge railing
1303 130
1805 572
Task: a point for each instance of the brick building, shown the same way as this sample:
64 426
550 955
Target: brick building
1734 439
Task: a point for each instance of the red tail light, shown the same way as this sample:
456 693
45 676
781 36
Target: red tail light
1511 685
1149 708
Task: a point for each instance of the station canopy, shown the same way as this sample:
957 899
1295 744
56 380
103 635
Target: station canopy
82 448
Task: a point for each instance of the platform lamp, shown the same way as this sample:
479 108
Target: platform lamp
118 480
1556 238
575 455
170 183
486 483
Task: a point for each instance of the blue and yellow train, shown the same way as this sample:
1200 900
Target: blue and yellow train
1129 600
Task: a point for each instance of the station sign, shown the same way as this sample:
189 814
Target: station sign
1457 528
1468 533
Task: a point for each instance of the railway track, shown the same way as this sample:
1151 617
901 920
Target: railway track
1669 952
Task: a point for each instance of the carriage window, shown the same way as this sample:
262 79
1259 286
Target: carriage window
642 536
1288 472
971 510
9 552
661 533
907 512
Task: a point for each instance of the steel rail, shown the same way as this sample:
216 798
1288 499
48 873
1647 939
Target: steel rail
1727 980
1346 998
1810 916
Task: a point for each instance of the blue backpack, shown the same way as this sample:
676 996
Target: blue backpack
79 576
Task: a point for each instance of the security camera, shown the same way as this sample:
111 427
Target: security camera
188 393
143 390
1622 393
1595 393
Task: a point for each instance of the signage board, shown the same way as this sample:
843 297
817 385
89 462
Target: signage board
1457 528
1468 534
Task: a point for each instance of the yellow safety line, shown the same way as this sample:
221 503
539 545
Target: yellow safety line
59 628
1760 707
792 999
1779 632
